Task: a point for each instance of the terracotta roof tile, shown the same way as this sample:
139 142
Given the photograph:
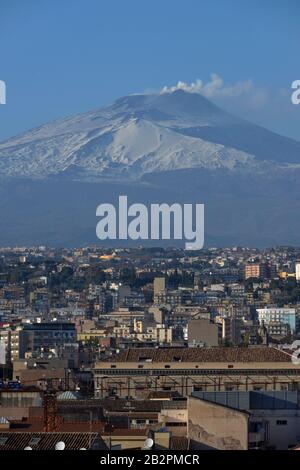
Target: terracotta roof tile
213 354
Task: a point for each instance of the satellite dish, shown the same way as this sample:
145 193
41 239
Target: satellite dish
149 443
60 445
28 448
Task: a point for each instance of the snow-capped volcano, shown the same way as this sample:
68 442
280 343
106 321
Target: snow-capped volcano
142 134
169 147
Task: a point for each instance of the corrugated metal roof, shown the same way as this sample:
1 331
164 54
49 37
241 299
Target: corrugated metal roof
68 395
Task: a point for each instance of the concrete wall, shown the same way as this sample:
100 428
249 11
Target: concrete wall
203 331
13 399
177 416
16 413
279 436
212 426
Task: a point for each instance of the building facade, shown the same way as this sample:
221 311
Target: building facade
135 371
36 337
279 316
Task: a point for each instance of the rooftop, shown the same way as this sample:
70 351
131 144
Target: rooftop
47 441
213 354
49 326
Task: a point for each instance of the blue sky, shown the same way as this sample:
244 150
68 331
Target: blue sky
60 57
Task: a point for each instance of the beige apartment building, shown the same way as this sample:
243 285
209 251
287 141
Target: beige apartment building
159 285
136 371
203 332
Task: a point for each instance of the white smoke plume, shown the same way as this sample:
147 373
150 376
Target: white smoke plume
213 88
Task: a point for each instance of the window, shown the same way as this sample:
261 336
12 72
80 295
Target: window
175 423
145 359
281 422
256 426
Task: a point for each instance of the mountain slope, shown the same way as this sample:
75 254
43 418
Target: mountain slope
171 147
142 134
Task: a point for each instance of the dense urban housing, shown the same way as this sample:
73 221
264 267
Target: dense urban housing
106 348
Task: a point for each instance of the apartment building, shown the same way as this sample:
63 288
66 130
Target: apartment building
203 332
280 316
159 285
255 270
12 344
44 336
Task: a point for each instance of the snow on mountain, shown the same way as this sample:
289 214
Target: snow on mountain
141 134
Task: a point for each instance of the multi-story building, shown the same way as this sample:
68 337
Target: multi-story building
37 337
279 316
231 331
134 372
173 298
255 270
278 329
11 340
159 285
204 332
297 269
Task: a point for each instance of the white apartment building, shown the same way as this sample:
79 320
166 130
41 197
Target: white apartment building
278 315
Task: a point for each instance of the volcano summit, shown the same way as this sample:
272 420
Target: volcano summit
165 147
